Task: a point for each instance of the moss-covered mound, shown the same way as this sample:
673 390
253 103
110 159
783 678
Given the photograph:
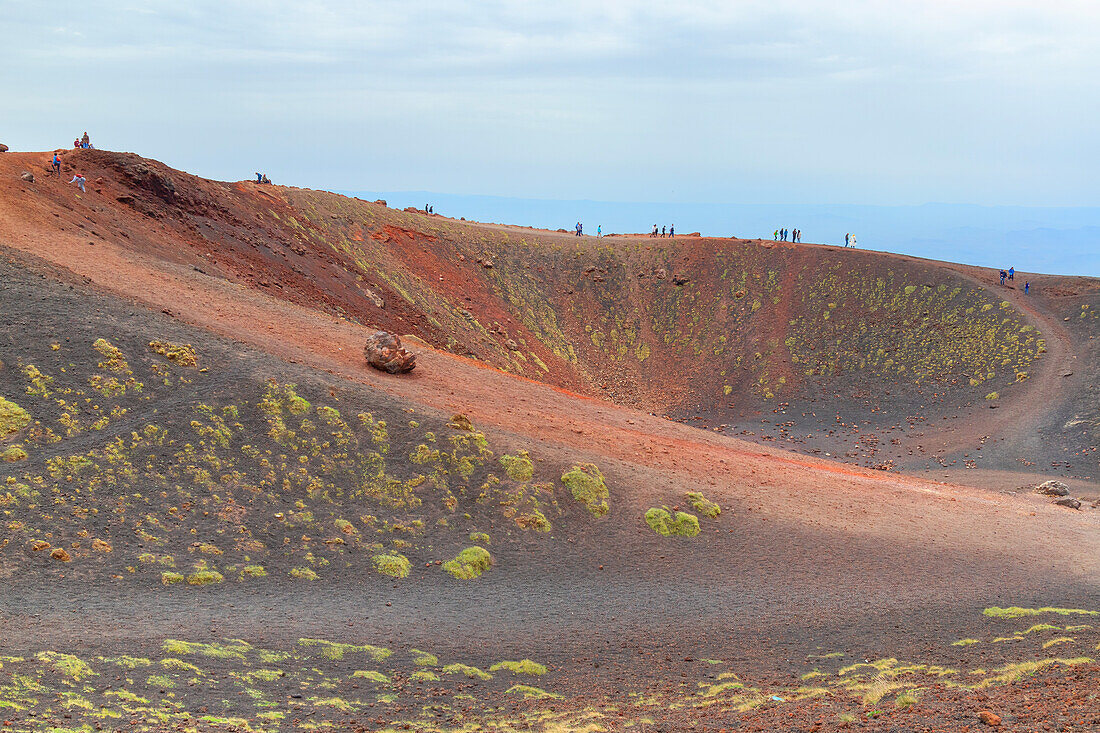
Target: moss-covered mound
681 524
588 487
13 418
703 505
470 563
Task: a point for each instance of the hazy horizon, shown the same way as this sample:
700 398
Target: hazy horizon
988 103
984 103
1050 240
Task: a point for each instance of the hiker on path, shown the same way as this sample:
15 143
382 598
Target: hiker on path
1027 286
671 230
579 229
56 163
847 238
599 231
776 235
1003 276
663 229
1012 273
654 231
259 178
78 179
853 240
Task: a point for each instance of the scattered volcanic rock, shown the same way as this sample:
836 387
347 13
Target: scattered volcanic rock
1068 502
27 176
1053 488
60 554
384 351
990 718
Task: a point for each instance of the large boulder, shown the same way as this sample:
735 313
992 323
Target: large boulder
384 351
1053 488
27 176
3 148
1069 502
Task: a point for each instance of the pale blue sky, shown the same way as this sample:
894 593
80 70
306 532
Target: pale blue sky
778 101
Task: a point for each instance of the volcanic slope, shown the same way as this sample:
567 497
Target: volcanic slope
217 517
875 359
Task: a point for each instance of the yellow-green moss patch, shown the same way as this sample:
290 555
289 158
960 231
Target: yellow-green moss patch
531 692
472 672
681 524
394 565
518 467
523 666
1017 612
205 577
180 354
470 563
588 487
702 504
13 418
13 453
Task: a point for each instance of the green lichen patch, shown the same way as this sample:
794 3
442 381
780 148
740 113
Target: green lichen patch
681 524
178 354
522 666
1017 612
205 577
587 484
463 669
518 467
470 563
702 504
393 565
13 418
13 453
529 692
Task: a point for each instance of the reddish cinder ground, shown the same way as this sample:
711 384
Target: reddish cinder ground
815 547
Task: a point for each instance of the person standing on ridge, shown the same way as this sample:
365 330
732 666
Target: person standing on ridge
85 142
56 163
599 231
853 240
78 179
847 238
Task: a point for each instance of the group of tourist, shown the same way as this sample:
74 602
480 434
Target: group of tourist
849 240
671 231
1010 274
788 235
83 142
262 178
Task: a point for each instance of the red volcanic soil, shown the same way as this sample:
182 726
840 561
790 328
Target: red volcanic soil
812 546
